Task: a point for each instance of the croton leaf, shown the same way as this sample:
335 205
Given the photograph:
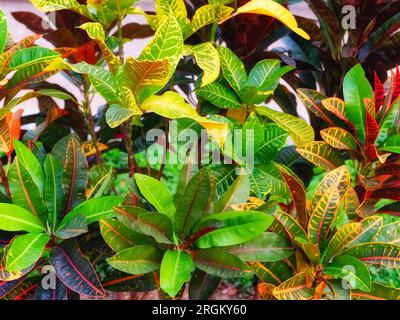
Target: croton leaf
207 59
238 192
370 226
195 201
156 193
350 269
117 281
389 233
325 202
68 151
378 291
271 272
75 270
238 227
25 250
206 15
341 238
137 260
3 31
384 254
176 269
298 287
15 218
95 209
339 138
119 237
355 89
153 224
321 154
269 247
202 285
275 10
73 227
219 95
167 43
232 68
144 78
57 293
219 263
299 130
18 289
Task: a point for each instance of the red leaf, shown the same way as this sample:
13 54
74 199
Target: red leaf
379 93
395 87
14 125
372 131
387 193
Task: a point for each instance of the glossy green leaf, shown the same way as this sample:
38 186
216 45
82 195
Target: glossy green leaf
156 193
356 88
384 254
72 228
137 260
25 250
237 193
238 227
153 224
15 218
176 269
232 68
350 269
219 95
3 31
268 247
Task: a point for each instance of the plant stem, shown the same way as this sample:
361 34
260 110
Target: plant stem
4 180
126 128
90 122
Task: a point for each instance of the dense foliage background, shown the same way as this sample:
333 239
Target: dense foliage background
110 179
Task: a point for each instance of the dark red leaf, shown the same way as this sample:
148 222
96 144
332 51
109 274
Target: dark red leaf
379 93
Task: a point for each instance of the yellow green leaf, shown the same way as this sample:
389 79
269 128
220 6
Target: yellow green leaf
379 253
208 14
298 287
207 58
321 154
299 130
339 138
275 10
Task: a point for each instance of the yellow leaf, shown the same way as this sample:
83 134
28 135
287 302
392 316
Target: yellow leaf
272 9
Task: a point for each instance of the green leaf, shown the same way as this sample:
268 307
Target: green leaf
378 291
166 44
389 233
271 272
208 14
299 130
232 68
95 209
137 260
102 80
274 139
292 227
15 218
3 31
265 74
370 226
341 239
350 269
238 192
157 194
321 154
176 269
53 192
339 138
117 114
69 152
269 247
207 59
392 144
25 193
119 237
219 263
219 95
238 227
388 123
153 224
325 203
194 203
144 78
298 287
172 105
72 228
25 250
356 88
31 163
29 56
384 254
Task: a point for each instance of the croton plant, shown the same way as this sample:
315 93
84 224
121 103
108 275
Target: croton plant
306 210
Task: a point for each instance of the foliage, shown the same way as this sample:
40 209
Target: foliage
298 205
